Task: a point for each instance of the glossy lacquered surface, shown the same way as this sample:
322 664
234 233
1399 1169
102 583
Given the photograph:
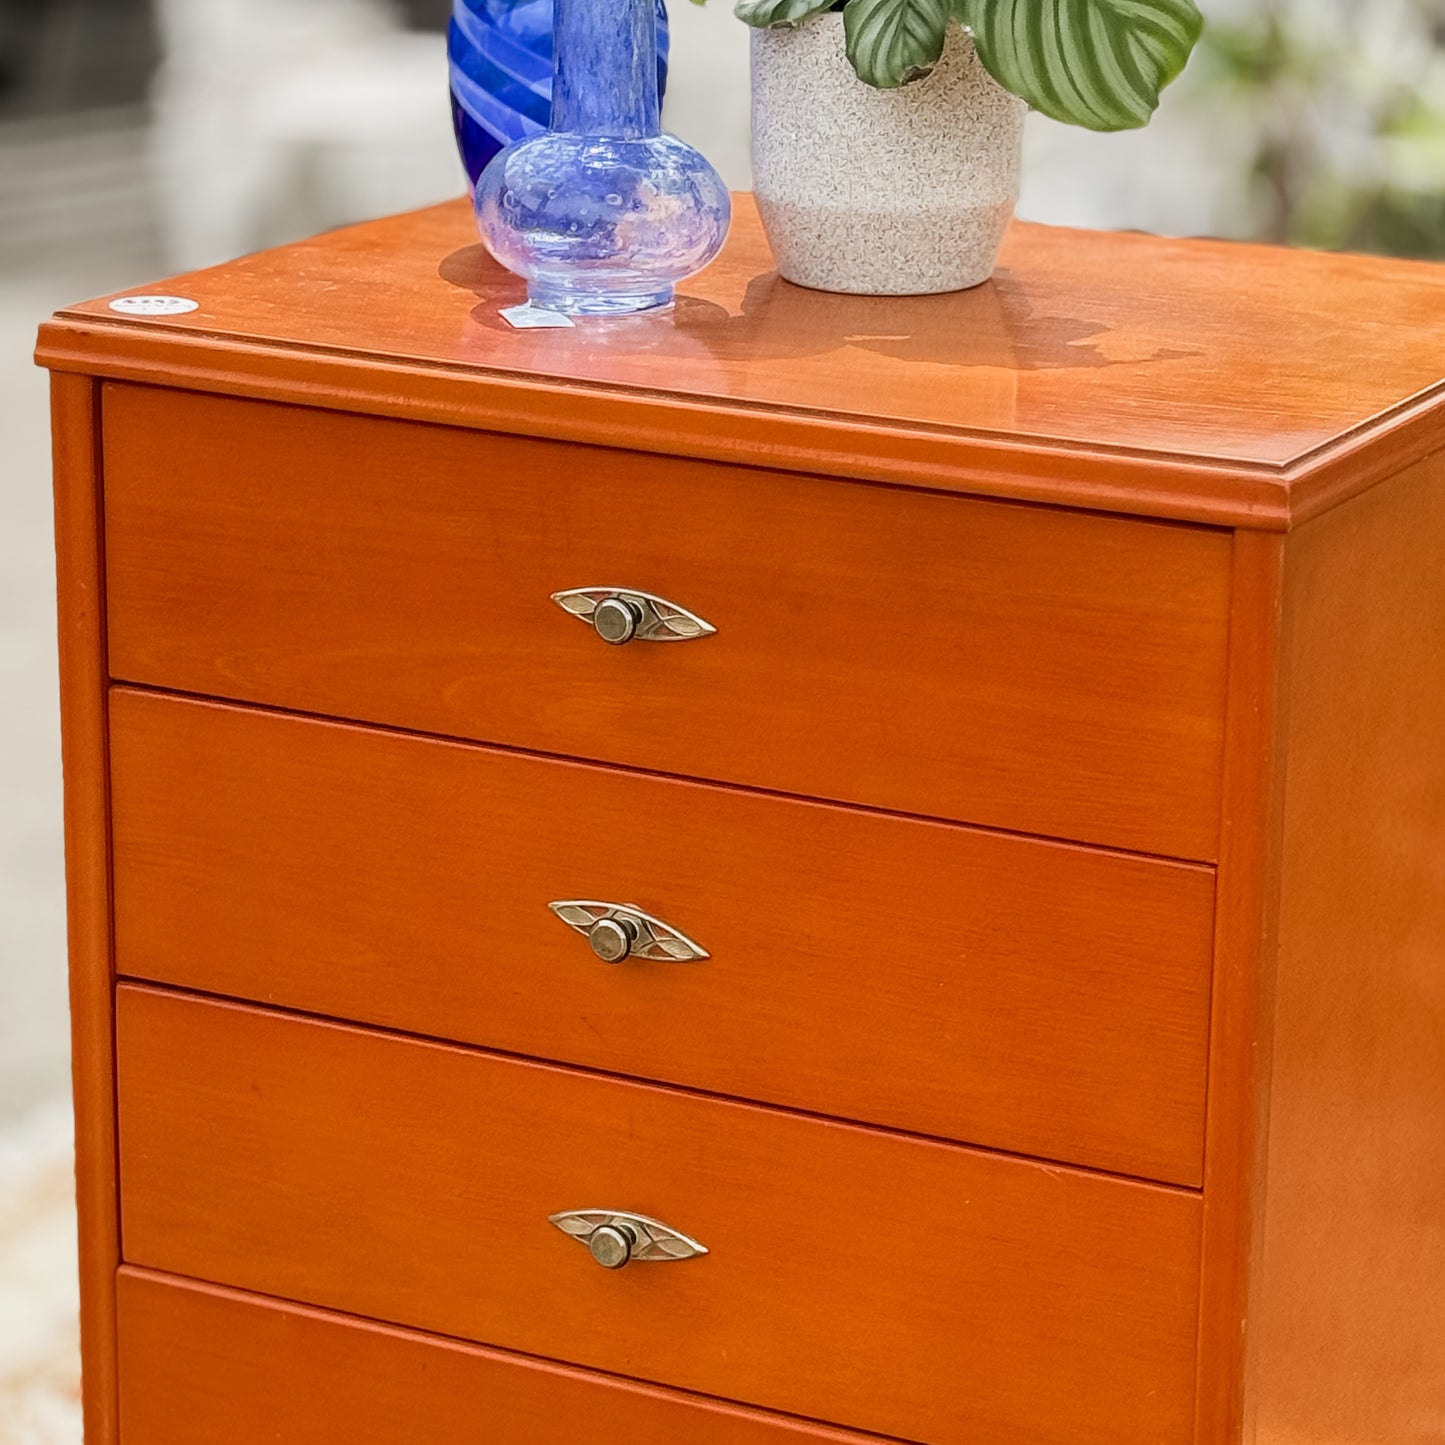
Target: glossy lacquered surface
209 1366
1044 999
1045 671
1092 346
906 1287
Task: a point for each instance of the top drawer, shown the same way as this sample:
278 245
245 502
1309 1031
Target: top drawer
1046 671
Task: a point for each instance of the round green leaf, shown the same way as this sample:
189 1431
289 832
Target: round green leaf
1095 63
893 41
764 13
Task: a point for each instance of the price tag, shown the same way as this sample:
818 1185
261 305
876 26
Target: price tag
527 317
154 305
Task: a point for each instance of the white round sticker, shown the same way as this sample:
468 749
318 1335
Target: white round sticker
154 305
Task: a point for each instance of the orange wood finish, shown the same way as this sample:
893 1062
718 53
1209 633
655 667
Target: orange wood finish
1052 672
929 977
1209 382
1349 1341
1246 896
208 1366
1263 690
81 614
896 1285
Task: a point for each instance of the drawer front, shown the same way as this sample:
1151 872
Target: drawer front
1041 998
1049 672
883 1283
206 1366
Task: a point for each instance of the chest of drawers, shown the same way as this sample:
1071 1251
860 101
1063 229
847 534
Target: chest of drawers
973 945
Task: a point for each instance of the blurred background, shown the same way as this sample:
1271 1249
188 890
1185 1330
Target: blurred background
139 138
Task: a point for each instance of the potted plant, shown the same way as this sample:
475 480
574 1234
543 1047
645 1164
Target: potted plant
887 134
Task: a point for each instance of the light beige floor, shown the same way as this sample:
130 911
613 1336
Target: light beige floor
39 1348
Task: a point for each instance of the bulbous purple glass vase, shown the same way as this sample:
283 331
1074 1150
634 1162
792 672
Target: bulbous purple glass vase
603 214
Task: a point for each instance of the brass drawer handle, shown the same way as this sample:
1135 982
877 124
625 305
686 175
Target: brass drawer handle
616 1238
621 614
618 930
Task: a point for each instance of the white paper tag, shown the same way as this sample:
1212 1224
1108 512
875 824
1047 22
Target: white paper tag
527 317
154 305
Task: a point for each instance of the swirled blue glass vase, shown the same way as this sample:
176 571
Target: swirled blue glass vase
501 73
603 213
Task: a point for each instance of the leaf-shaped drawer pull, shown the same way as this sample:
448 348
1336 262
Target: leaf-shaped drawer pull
616 1238
622 614
618 930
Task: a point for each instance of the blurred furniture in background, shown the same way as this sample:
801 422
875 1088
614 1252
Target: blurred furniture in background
59 57
275 118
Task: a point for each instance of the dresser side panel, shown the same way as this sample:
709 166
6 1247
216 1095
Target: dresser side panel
1349 1315
75 413
1246 896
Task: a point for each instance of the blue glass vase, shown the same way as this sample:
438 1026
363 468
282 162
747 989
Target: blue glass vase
501 73
602 214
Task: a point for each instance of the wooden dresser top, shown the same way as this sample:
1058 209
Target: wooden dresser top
1194 380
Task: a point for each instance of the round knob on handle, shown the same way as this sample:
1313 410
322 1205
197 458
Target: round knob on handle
617 620
615 1237
612 1245
612 939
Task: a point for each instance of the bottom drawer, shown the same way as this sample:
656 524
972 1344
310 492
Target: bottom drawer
877 1281
206 1366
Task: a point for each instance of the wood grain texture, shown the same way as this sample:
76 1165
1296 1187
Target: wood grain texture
1176 378
1349 1318
1246 912
1051 672
912 1288
75 420
1028 996
209 1366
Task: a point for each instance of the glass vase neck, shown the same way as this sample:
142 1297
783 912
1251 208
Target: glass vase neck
604 79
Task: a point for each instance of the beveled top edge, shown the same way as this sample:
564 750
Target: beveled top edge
1142 485
1058 410
1265 496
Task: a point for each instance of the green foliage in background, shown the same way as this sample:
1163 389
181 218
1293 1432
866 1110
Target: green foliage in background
1346 109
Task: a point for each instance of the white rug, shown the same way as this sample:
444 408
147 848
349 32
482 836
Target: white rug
39 1341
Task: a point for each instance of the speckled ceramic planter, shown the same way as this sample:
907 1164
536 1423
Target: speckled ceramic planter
882 192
